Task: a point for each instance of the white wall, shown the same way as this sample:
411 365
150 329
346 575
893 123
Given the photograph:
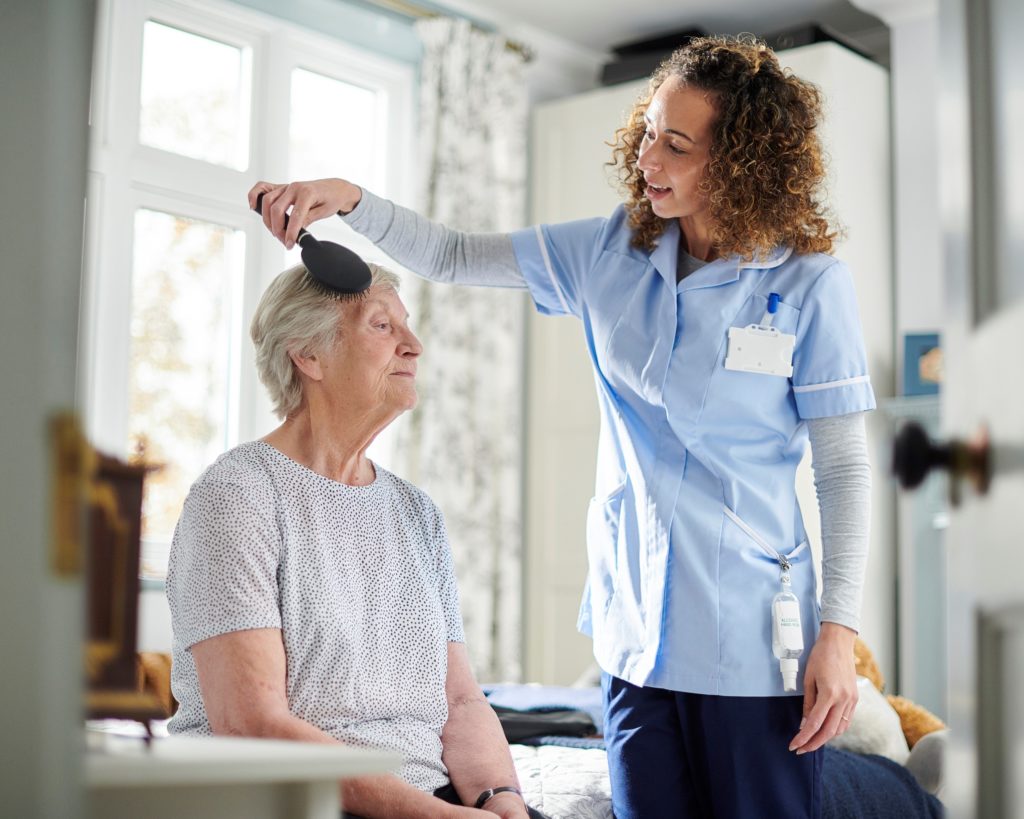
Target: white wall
919 291
914 61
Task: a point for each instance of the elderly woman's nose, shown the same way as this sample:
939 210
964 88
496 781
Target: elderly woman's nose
411 344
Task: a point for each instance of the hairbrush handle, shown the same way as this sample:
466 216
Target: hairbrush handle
302 231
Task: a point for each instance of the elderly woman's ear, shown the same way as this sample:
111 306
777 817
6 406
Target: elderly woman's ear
307 364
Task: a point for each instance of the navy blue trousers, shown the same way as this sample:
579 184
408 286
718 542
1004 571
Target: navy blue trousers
696 756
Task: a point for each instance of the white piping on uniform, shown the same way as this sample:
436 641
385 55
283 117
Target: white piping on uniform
754 536
551 272
760 541
828 385
766 264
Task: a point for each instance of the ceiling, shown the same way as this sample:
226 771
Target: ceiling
600 25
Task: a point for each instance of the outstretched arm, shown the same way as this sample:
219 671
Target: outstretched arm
427 248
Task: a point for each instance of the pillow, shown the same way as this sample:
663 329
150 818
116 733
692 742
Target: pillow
874 727
927 759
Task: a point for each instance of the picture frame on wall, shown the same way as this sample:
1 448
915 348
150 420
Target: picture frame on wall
922 364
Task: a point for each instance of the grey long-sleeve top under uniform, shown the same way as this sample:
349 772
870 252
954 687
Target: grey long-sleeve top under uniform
842 475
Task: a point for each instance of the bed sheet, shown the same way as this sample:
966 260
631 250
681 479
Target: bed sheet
572 783
564 783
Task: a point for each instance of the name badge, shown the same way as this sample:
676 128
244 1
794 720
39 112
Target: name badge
759 349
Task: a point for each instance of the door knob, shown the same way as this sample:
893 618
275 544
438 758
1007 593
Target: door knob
914 455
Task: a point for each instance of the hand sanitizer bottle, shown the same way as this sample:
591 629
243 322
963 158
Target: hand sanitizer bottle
787 634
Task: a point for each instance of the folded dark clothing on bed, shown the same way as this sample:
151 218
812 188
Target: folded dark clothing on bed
864 786
521 725
586 743
531 697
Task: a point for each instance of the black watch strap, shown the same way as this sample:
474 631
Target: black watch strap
484 797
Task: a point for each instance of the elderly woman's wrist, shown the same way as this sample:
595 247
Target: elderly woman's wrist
506 804
497 795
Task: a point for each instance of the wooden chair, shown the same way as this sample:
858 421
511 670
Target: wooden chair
113 526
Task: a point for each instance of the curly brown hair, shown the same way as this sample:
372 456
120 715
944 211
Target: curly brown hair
765 170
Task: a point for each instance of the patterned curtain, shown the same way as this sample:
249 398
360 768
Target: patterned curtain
463 444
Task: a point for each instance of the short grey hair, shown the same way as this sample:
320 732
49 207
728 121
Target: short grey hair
295 314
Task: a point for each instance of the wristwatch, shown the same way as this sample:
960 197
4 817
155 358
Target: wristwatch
483 798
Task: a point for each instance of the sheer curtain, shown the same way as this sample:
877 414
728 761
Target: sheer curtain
463 444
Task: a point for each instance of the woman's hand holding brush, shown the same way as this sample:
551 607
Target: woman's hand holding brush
303 203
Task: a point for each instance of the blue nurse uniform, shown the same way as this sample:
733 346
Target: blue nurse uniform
695 499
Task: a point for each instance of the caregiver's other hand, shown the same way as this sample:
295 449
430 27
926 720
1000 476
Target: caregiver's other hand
830 688
304 202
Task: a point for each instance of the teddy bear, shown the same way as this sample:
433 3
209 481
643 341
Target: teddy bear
894 727
915 720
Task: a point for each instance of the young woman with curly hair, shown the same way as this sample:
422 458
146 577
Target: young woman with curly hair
723 338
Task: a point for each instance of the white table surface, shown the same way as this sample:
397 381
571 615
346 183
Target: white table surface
220 777
114 761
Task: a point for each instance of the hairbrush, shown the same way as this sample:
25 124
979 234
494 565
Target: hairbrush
338 272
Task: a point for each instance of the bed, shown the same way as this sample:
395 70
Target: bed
565 777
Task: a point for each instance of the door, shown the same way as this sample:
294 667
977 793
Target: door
45 54
981 119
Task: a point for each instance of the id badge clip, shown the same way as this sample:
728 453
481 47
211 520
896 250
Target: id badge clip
761 348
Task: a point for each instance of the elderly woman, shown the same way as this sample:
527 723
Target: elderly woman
723 338
312 592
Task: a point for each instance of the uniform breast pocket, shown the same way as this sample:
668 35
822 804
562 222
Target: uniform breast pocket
761 342
744 392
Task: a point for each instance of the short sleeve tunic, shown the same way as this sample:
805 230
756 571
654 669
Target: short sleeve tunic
695 501
359 580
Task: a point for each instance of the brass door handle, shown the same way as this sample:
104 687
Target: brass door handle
72 463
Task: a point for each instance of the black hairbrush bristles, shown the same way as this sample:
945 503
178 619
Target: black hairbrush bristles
338 272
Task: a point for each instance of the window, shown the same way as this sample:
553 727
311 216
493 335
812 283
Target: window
195 96
321 107
186 281
192 103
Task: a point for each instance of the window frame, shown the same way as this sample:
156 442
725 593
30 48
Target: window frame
125 175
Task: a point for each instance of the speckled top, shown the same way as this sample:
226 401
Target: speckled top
358 578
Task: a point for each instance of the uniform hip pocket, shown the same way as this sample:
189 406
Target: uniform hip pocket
749 572
770 551
603 520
